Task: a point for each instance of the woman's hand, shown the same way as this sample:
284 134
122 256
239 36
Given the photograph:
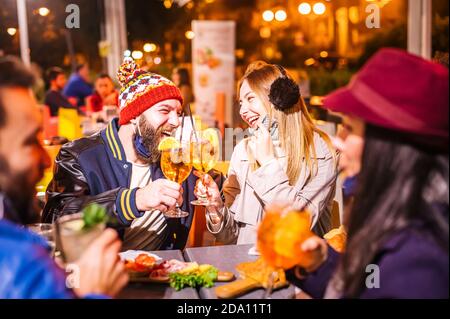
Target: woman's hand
263 149
207 187
317 248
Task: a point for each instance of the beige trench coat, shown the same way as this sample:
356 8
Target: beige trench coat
246 192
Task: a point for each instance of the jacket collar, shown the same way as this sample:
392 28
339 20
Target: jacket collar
156 171
8 211
111 137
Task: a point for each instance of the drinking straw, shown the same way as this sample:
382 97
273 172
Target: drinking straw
182 125
192 122
181 141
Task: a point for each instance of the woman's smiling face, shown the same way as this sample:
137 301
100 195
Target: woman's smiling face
251 109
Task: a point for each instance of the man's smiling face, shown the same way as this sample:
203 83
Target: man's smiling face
159 121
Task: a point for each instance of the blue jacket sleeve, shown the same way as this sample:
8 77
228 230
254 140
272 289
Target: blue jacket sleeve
416 270
316 282
36 276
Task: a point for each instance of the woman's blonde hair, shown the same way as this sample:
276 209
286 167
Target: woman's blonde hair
295 124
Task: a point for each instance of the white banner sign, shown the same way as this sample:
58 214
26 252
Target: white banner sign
213 67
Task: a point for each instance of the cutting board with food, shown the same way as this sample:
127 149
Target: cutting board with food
146 267
253 275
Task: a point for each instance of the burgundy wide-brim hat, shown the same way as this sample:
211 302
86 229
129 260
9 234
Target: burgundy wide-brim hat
401 92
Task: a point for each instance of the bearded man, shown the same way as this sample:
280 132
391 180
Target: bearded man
26 268
119 167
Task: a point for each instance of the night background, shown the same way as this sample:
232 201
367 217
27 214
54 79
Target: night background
165 24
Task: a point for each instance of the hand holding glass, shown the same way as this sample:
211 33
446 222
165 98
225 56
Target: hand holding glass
205 155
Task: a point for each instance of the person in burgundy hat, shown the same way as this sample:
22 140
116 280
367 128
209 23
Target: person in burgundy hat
395 139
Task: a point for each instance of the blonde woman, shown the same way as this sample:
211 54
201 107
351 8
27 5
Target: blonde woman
287 159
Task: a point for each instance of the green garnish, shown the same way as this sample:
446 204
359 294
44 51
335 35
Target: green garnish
197 278
94 214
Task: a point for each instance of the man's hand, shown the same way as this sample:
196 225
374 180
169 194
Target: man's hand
101 270
161 195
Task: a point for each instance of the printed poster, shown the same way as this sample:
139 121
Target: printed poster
213 63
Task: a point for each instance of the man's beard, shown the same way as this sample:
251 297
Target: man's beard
150 139
21 196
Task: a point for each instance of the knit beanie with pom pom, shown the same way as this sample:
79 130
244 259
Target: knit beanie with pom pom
141 90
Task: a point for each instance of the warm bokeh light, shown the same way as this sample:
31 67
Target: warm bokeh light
240 53
265 32
379 3
353 14
167 4
280 15
316 100
190 34
149 47
43 11
304 8
310 62
319 8
269 52
157 60
268 15
11 31
324 54
209 1
137 55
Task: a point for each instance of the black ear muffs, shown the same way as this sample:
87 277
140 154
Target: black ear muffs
284 92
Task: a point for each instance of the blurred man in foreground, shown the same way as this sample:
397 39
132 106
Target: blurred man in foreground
26 269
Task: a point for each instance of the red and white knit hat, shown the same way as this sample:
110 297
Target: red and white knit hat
141 90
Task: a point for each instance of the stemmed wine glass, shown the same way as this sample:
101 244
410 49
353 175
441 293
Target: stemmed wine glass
205 155
176 165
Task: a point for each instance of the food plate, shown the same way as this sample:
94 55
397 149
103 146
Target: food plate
132 254
253 251
139 263
146 267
